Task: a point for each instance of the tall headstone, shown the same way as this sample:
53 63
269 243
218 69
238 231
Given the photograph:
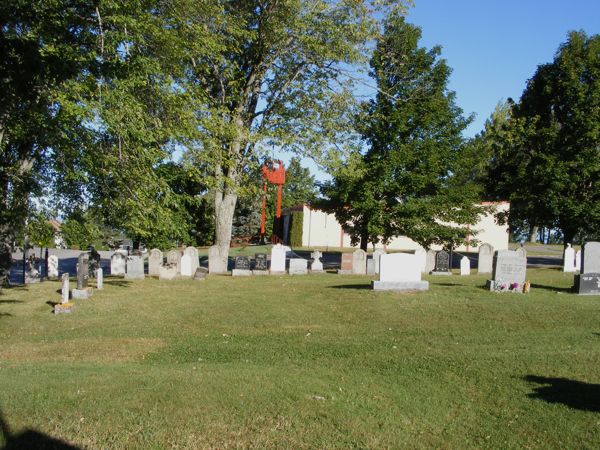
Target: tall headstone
117 264
186 266
430 261
569 259
82 291
509 272
442 263
241 267
155 262
376 255
359 262
135 267
298 266
65 288
99 278
217 263
465 266
485 262
370 266
32 273
316 265
278 259
174 258
578 261
399 272
346 266
261 264
421 258
52 266
588 281
192 252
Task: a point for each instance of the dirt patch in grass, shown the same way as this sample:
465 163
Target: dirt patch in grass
88 349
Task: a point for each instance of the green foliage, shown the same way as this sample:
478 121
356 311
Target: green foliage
39 231
548 163
82 230
295 237
404 185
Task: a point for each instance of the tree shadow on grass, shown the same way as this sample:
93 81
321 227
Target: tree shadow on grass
352 286
118 283
10 301
446 284
31 439
552 288
5 315
574 394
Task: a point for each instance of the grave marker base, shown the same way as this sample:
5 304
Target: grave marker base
63 308
400 285
440 273
241 273
260 272
82 294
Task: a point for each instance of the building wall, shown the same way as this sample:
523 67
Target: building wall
323 230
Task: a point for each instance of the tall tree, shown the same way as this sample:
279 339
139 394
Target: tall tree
404 184
549 163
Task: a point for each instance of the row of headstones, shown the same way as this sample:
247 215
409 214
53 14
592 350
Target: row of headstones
82 290
297 266
177 264
571 259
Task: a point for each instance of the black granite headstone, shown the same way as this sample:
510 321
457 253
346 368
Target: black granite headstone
260 261
242 263
442 261
588 284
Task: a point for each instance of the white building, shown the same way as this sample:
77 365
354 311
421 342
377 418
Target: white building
320 229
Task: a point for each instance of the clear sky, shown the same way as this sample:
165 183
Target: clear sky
494 46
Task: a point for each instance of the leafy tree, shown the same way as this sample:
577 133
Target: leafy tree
549 162
404 184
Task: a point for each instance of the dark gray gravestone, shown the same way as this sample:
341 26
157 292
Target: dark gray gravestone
200 274
82 291
260 261
241 267
442 263
588 281
588 284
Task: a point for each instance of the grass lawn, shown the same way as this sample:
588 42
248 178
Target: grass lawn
304 362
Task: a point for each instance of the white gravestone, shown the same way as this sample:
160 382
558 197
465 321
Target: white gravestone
298 266
465 266
99 278
569 259
167 272
65 288
376 255
117 264
186 266
399 272
317 265
485 262
578 261
135 268
278 259
509 272
430 261
216 262
174 258
359 262
421 256
193 254
370 266
52 266
155 261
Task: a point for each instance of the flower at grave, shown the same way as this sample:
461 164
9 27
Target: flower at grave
514 286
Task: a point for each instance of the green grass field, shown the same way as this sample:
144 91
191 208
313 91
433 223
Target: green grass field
304 362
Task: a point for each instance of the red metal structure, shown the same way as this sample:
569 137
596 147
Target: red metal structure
273 172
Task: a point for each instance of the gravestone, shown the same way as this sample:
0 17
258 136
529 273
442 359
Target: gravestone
569 259
64 306
298 266
135 267
430 261
32 274
52 266
117 264
509 272
578 261
370 266
521 251
376 255
399 272
241 267
261 264
186 266
442 263
193 254
155 261
465 266
82 291
421 255
217 263
200 274
346 266
174 258
588 281
167 272
99 278
359 262
485 262
278 259
94 260
316 265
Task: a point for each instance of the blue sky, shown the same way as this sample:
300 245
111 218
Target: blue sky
494 46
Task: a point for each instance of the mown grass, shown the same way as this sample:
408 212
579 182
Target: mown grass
304 362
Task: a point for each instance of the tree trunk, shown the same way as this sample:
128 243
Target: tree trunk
364 240
224 210
533 231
